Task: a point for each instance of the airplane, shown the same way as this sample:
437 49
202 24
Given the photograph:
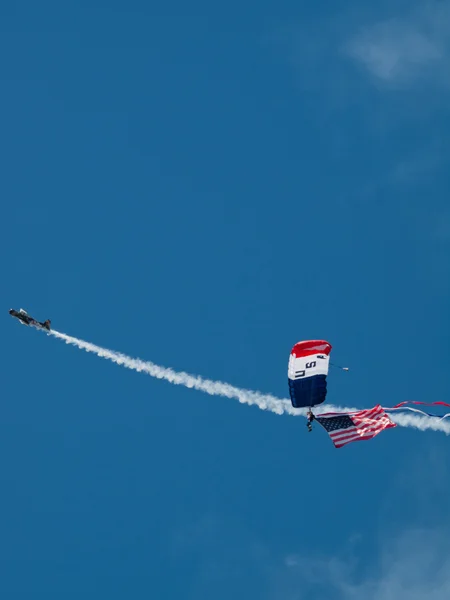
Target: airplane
25 319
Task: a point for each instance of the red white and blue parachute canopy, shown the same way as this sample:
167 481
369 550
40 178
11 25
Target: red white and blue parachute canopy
307 372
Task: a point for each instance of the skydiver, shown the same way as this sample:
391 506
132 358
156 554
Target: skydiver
310 417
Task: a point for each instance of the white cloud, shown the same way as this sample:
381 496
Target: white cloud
407 49
415 566
225 556
402 562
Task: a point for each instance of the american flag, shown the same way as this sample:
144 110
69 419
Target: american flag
344 428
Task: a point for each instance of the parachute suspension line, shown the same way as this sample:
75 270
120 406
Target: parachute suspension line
339 367
310 418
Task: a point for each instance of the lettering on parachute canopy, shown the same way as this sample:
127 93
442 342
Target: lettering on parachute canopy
302 373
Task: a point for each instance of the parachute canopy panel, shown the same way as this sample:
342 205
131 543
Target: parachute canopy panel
307 373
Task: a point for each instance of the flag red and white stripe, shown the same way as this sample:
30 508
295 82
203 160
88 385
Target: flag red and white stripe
344 428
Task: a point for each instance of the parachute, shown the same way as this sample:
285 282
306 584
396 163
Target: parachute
307 373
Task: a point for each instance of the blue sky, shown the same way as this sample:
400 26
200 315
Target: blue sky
203 187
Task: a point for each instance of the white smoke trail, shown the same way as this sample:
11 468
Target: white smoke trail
214 388
217 388
422 423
